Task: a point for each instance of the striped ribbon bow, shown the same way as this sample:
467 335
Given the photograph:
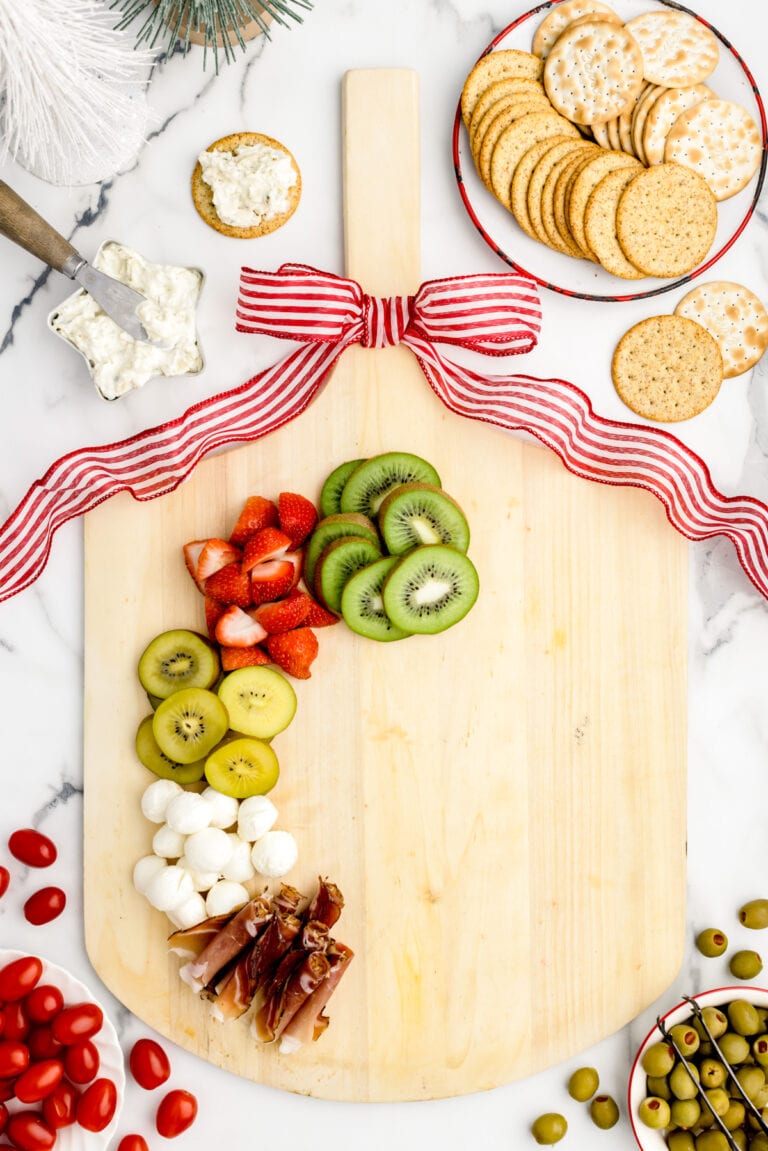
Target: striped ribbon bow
496 314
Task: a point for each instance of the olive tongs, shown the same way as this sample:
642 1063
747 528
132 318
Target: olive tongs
749 1106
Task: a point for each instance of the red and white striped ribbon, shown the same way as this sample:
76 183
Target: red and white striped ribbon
496 314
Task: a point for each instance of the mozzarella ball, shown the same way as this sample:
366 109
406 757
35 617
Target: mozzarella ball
147 868
274 854
155 800
201 880
188 812
189 913
224 897
208 850
169 888
256 817
239 868
224 808
167 843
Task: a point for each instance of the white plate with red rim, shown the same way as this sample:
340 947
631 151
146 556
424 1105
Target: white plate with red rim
111 1065
647 1138
731 80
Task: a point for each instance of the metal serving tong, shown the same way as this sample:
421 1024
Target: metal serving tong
748 1104
21 223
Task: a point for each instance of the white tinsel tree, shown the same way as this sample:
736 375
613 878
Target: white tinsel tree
72 103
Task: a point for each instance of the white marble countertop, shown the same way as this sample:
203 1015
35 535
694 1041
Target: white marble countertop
289 88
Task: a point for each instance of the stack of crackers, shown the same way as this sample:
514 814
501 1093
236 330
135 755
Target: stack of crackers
605 143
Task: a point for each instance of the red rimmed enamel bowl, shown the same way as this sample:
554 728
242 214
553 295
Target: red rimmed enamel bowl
646 1138
731 80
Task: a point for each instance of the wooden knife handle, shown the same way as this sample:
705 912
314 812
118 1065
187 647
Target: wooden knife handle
21 223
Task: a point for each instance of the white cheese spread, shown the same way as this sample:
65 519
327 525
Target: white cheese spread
119 363
249 184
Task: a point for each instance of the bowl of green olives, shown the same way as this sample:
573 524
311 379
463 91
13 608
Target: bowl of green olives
671 1103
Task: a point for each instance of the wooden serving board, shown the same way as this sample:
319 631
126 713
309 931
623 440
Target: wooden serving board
503 805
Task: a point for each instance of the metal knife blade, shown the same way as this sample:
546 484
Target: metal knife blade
117 299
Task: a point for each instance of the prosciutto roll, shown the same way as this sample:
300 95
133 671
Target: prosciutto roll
240 930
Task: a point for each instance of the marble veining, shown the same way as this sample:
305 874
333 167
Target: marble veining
289 87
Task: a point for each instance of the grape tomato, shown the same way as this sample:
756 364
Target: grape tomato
5 879
29 1132
14 1058
44 906
177 1111
96 1106
60 1107
149 1064
39 1080
80 1021
42 1044
19 977
133 1143
43 1002
81 1061
16 1024
32 847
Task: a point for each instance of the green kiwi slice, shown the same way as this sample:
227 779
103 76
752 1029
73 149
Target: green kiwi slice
188 724
430 588
362 605
416 514
159 763
332 528
259 700
243 767
368 485
177 659
338 563
330 493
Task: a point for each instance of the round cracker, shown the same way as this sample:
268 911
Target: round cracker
662 114
518 199
667 368
558 19
486 137
584 183
735 317
600 225
515 141
562 168
512 87
565 148
593 72
719 140
600 135
639 115
666 220
678 50
625 122
202 193
495 66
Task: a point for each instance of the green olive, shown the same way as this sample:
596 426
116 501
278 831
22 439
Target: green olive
583 1084
760 1050
739 1137
754 914
549 1128
686 1038
658 1085
745 965
654 1112
712 1073
604 1112
659 1059
743 1017
751 1080
734 1047
759 1142
685 1113
712 942
683 1081
735 1115
681 1141
716 1021
711 1141
718 1100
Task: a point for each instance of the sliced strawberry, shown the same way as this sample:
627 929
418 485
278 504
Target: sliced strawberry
192 553
284 615
319 616
213 613
215 555
230 584
268 544
234 657
294 651
297 516
275 578
238 628
257 513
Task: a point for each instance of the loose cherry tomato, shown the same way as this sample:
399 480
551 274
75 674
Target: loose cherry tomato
96 1105
45 905
4 1117
133 1143
60 1107
80 1021
43 1003
28 1131
19 977
149 1064
81 1061
177 1112
39 1080
6 1089
14 1058
42 1044
16 1022
5 879
32 847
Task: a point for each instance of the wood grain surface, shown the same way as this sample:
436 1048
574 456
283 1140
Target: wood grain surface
503 805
